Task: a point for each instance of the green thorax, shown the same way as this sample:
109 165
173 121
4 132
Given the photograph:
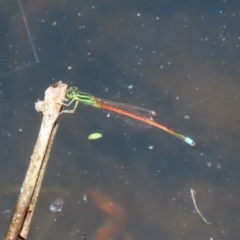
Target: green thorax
85 98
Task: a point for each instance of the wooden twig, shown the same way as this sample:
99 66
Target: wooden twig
50 110
28 218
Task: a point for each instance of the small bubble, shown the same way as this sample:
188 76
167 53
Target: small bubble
75 232
7 212
57 205
219 166
150 147
209 164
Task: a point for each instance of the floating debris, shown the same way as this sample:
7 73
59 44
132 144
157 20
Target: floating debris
84 197
195 205
94 136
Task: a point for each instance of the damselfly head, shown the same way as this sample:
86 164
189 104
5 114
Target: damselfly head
71 92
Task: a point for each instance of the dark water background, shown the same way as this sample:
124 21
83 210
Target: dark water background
178 58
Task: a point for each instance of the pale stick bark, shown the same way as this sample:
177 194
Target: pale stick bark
32 205
50 110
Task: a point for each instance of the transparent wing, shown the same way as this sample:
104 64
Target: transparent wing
142 112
